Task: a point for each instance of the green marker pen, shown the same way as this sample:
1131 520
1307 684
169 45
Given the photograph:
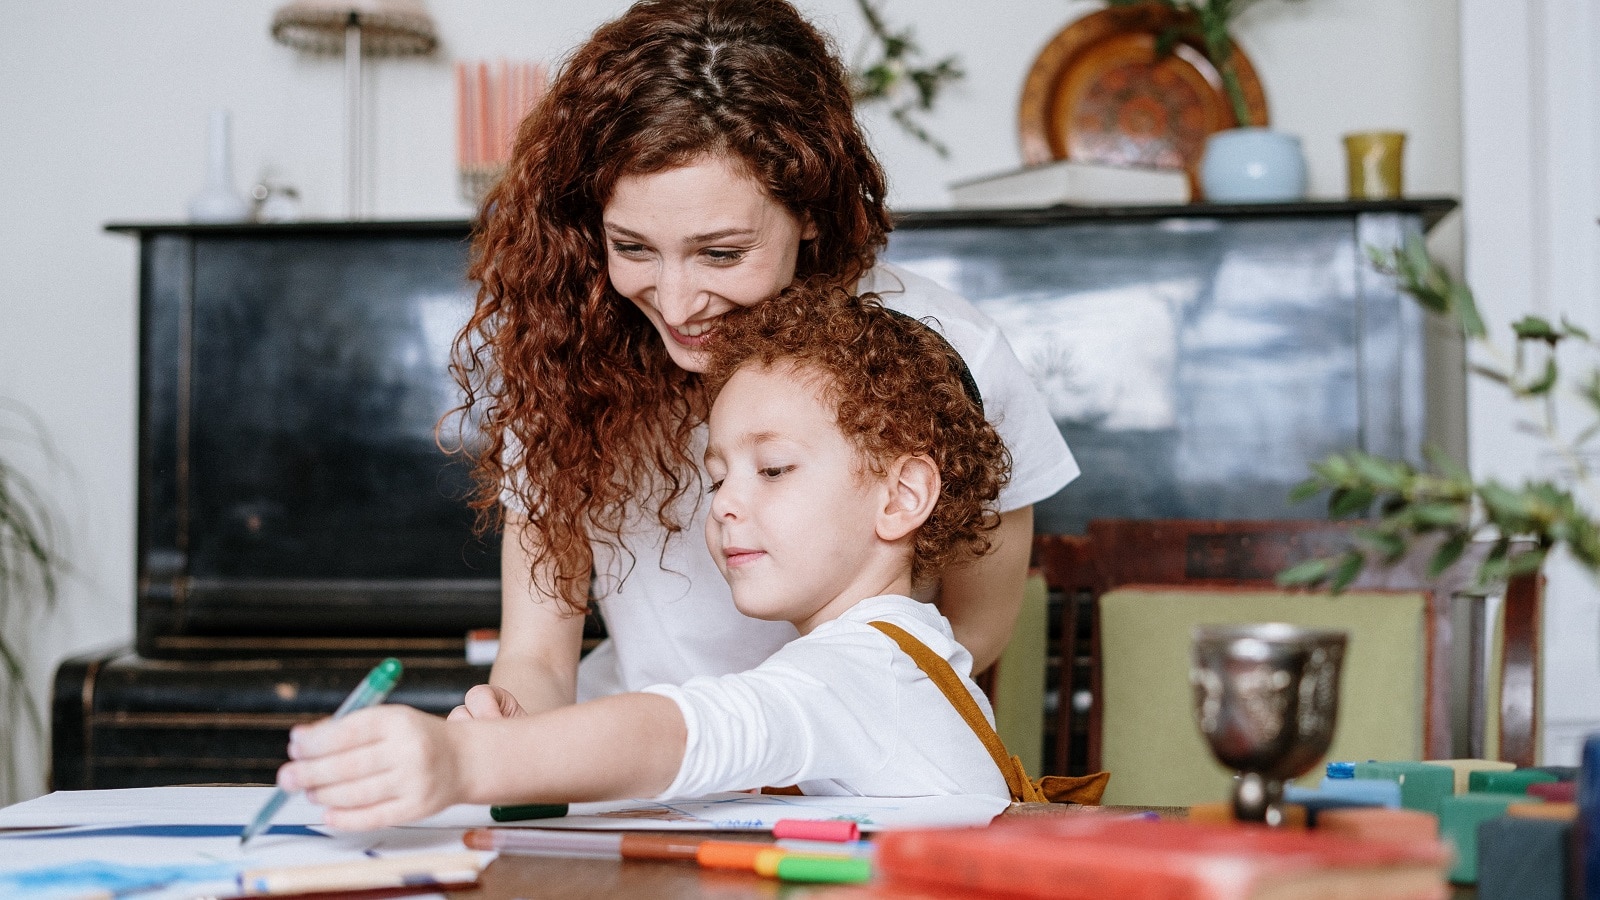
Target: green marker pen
372 690
527 811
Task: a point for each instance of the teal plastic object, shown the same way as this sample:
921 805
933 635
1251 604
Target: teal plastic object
1515 781
1459 818
1422 785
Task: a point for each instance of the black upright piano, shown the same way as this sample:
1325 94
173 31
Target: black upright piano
297 520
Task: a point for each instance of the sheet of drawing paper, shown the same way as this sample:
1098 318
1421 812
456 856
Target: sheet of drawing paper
186 805
184 860
747 812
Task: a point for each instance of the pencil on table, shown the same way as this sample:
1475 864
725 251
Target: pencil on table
399 871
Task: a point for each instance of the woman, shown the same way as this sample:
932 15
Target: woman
693 157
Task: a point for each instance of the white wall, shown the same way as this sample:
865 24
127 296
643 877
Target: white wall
102 112
1531 73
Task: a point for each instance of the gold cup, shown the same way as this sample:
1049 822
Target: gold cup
1374 159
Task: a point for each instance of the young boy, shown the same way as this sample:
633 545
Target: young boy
850 458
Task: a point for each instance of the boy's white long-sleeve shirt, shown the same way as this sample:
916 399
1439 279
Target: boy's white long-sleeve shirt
840 711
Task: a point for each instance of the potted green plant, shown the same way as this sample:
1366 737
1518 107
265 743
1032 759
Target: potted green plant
1249 163
30 565
1443 504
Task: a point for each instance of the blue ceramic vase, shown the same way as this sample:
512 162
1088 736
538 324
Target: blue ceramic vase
1253 165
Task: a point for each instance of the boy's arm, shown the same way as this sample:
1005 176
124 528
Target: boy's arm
393 764
628 745
983 598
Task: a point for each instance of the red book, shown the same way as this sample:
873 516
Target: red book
1093 857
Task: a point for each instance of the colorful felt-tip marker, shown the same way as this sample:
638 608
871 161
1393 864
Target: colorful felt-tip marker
847 864
372 690
582 844
786 866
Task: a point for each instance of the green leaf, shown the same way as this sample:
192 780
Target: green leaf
1467 311
1417 261
1384 474
1509 510
1546 381
1310 573
1437 515
1348 568
1349 501
1590 390
1382 259
1448 554
1305 490
1573 331
1534 328
1494 375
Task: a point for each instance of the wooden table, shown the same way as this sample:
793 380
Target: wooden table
547 878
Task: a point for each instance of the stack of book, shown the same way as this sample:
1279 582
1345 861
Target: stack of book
1074 183
1086 857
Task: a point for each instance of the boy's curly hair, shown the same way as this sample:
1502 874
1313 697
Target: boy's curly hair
898 388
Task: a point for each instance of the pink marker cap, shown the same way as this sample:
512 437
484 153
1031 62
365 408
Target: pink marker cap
817 829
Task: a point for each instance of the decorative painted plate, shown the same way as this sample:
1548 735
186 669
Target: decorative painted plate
1099 92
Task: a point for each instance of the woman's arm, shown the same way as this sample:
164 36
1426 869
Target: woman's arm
982 599
393 764
540 637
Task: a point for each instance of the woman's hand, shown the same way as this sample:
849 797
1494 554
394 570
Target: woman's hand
376 767
485 701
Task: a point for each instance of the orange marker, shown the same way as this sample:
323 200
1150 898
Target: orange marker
731 854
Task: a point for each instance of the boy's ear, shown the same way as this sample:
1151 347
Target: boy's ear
912 490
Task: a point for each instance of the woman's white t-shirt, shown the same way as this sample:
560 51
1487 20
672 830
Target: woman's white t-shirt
672 616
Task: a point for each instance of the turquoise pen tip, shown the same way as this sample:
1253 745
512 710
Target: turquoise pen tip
268 810
373 689
386 675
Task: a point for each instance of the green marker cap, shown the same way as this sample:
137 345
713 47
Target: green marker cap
527 811
829 870
386 675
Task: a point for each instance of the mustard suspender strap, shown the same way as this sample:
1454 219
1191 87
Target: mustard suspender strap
935 667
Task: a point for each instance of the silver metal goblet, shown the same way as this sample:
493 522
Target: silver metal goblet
1267 700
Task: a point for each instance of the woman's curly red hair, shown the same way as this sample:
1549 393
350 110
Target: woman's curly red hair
898 387
584 416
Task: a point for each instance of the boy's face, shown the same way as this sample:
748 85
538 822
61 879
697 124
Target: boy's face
793 522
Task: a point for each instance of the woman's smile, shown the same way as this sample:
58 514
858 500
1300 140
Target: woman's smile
694 334
686 245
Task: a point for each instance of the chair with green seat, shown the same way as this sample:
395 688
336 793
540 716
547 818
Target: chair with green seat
1149 740
1017 689
1470 703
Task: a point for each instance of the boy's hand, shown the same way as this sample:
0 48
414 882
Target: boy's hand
485 701
375 767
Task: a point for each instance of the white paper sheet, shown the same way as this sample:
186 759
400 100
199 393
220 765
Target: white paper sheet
156 806
747 812
56 859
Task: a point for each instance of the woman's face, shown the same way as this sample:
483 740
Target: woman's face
689 244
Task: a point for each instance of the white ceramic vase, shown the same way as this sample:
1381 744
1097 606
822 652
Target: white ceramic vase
218 200
1253 165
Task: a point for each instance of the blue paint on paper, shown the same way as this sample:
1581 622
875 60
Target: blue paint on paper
78 878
